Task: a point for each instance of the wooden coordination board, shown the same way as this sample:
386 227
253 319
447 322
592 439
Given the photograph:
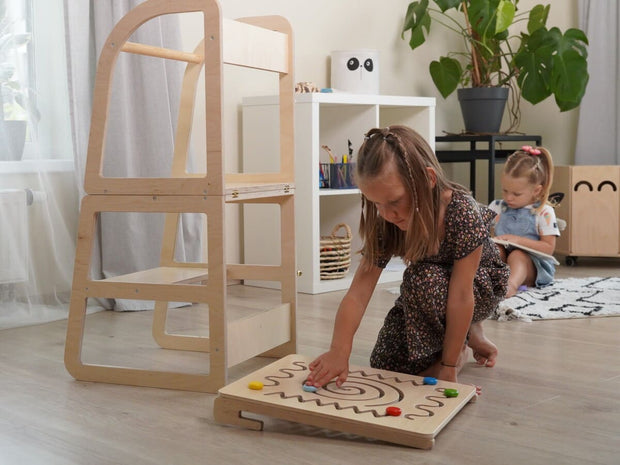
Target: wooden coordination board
357 407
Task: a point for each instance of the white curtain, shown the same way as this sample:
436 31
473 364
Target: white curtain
140 133
598 133
38 197
40 190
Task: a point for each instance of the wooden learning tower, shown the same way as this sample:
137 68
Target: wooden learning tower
259 42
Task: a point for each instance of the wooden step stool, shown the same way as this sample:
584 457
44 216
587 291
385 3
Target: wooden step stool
264 43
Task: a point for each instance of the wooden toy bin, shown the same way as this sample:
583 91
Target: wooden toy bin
591 208
263 43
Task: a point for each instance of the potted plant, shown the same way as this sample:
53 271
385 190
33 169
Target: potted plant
14 101
534 62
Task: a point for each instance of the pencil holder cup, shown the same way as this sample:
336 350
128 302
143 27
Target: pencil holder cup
324 176
341 175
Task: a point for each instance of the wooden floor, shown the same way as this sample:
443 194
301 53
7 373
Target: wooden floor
553 398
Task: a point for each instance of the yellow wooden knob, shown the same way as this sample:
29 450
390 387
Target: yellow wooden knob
256 385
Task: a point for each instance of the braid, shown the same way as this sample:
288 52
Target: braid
395 140
415 177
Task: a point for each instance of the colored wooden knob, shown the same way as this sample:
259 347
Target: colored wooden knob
393 411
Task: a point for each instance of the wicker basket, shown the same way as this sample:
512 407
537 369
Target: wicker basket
336 253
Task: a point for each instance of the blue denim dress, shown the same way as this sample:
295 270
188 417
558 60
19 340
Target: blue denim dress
522 222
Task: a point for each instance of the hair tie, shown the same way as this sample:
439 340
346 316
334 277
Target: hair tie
531 150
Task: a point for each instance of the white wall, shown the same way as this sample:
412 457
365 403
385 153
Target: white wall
321 26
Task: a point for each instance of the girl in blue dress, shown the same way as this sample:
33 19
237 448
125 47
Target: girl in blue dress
525 218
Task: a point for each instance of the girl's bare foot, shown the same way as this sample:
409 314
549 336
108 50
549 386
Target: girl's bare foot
484 351
511 290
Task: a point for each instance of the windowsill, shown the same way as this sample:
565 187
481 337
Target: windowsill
35 166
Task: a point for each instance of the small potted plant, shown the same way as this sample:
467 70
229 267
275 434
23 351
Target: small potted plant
535 62
14 101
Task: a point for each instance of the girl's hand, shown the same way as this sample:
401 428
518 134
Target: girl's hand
328 366
510 238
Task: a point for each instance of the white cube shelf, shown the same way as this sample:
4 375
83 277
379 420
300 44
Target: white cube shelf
330 119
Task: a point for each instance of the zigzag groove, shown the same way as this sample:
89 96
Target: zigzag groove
385 378
318 402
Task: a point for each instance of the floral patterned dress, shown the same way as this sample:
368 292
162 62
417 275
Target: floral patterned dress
412 335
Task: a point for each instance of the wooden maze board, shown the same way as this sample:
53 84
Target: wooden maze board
358 406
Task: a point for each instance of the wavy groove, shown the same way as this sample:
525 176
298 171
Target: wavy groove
319 403
287 371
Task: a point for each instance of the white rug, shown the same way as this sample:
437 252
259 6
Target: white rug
565 298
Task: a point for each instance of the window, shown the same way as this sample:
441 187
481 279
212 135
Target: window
34 80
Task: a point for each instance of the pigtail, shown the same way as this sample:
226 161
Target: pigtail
380 239
547 163
421 234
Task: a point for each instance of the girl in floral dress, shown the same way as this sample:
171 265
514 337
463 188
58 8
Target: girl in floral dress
454 278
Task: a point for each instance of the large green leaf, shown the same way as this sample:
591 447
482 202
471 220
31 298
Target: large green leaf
482 17
445 5
538 18
576 38
446 74
569 79
533 81
569 75
534 61
417 19
505 14
550 62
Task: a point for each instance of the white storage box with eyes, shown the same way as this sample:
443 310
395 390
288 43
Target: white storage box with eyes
355 71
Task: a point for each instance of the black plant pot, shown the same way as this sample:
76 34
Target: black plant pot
483 108
12 140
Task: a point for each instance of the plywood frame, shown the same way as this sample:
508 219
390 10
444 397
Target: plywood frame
257 42
264 43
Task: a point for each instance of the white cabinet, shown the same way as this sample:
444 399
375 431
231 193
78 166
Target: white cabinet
320 119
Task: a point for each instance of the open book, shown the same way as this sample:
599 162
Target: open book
527 249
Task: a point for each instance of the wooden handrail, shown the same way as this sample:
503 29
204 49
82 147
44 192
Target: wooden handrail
160 52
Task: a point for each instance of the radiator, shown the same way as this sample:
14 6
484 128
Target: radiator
14 235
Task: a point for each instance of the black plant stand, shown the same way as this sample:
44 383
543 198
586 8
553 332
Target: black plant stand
494 151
